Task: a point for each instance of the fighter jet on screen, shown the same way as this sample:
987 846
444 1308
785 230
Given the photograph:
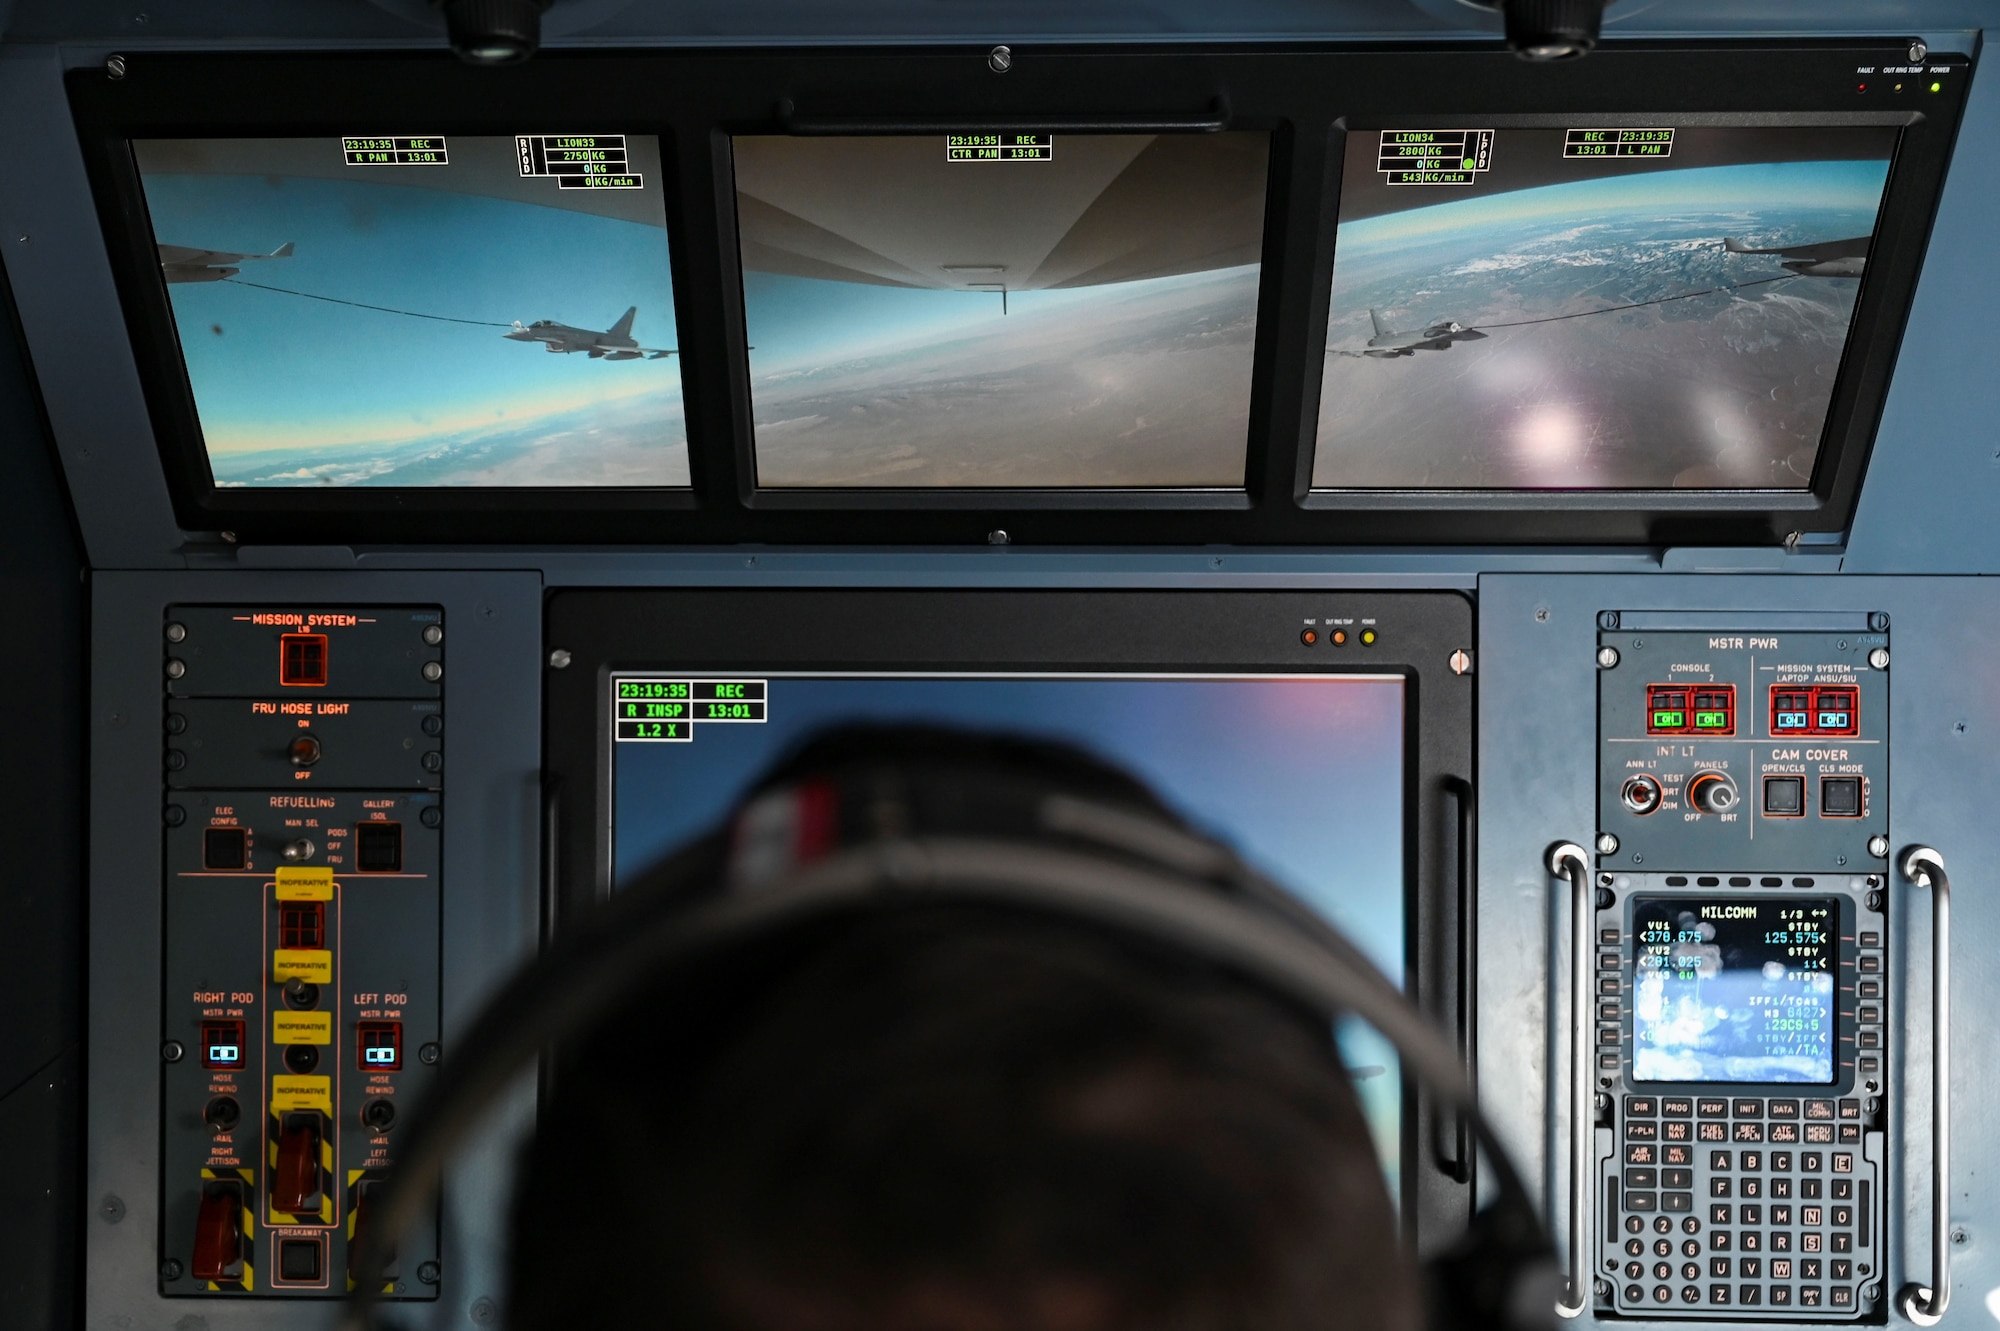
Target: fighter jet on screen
1832 258
1388 343
614 343
184 263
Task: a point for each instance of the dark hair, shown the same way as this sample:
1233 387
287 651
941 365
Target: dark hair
957 1105
944 1118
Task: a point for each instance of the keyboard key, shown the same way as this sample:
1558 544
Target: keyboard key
1840 1297
1837 1242
1720 1241
1850 1109
1782 1109
1781 1268
1676 1106
1784 1132
1810 1162
1843 1190
1711 1132
1781 1162
1809 1296
1677 1201
1781 1240
1746 1132
1843 1216
1809 1269
1641 1178
1718 1266
1781 1187
1782 1215
1719 1159
1850 1134
1781 1296
1753 1187
1641 1130
1720 1187
1673 1131
1642 1201
1718 1214
1751 1241
1819 1134
1808 1215
1641 1106
1843 1163
1711 1108
1824 1108
1718 1294
1749 1295
1843 1269
1752 1160
1677 1155
1677 1178
1641 1155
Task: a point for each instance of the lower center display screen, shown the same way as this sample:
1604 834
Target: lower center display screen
1302 775
1734 990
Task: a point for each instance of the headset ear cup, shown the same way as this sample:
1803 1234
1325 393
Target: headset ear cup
1499 1276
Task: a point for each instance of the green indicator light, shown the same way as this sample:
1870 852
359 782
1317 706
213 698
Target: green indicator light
1711 720
1937 87
1669 720
1468 163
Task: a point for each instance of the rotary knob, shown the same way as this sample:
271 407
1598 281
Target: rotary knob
1712 792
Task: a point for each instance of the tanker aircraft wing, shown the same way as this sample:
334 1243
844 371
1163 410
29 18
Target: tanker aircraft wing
1829 258
185 263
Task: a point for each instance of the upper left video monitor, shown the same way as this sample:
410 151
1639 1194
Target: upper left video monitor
423 311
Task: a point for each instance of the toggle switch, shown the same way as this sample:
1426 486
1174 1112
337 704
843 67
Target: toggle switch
218 1232
305 750
295 1176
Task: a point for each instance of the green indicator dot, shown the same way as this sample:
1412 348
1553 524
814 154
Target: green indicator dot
1468 163
1937 87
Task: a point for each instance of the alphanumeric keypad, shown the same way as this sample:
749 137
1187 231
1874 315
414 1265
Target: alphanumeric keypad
1762 1210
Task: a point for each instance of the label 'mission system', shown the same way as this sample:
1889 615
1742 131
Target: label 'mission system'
1733 990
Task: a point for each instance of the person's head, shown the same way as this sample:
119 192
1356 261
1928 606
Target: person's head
949 1118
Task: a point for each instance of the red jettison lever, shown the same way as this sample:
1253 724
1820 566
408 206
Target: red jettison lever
295 1178
218 1234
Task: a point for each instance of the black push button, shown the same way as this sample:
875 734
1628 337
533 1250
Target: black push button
1782 1109
1676 1106
1748 1108
1641 1201
378 847
298 1260
1712 1108
1642 1178
225 848
1677 1178
1641 1106
1840 796
1784 796
1677 1201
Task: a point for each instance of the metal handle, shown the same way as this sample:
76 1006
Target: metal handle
1571 861
1925 1304
1212 121
1463 1162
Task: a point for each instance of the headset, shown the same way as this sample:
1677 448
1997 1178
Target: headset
904 818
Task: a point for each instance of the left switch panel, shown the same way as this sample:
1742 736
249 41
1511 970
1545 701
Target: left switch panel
303 803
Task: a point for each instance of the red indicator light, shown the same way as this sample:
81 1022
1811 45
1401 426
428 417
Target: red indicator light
1339 638
302 924
378 1046
1308 637
222 1044
302 660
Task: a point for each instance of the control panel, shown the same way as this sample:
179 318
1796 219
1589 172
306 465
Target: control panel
303 771
1739 1002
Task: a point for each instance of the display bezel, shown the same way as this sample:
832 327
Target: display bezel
1306 96
1159 633
1844 1002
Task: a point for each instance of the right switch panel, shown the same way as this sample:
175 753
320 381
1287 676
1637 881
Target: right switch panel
1740 1002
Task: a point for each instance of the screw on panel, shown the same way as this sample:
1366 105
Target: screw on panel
1879 658
1607 658
175 815
177 633
433 635
1959 1235
173 1051
431 817
1607 844
1878 846
114 66
432 671
1541 614
997 537
112 1208
484 1311
560 658
1000 59
1878 621
170 1269
1607 620
430 1053
428 1273
1919 53
1461 662
176 668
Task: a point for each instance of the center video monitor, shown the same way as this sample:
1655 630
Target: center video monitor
421 311
1287 769
1586 307
1001 310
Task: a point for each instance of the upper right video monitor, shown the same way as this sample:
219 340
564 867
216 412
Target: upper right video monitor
1641 307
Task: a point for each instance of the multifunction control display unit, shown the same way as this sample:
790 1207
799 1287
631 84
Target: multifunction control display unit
304 759
1738 1012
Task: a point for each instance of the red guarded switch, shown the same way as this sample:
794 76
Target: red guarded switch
295 1177
218 1232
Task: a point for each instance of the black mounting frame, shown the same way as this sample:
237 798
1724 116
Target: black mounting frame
1040 632
1305 95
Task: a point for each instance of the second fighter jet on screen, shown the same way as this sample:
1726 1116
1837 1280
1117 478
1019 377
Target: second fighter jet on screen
614 343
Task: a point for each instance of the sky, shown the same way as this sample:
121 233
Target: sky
286 371
1302 777
1760 188
799 322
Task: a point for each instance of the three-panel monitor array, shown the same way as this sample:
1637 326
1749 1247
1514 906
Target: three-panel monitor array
1609 301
